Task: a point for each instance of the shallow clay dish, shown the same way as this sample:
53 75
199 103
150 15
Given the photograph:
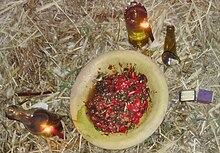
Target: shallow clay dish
149 121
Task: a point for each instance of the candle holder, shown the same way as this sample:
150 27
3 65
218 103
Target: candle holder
169 56
36 120
138 27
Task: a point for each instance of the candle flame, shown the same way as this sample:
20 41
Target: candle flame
145 24
47 129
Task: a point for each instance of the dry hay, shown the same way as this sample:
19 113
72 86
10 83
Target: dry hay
45 43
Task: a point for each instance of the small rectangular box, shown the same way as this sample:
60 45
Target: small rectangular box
205 96
187 96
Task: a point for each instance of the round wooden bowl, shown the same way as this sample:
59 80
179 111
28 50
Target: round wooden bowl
149 122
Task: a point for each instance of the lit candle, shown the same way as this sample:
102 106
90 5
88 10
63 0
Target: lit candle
138 27
37 120
50 130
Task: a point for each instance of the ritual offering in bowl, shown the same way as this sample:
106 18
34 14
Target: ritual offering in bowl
119 99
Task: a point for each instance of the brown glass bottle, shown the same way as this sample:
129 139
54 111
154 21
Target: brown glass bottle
169 56
138 27
36 120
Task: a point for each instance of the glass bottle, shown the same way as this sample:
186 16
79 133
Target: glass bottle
36 120
138 27
169 56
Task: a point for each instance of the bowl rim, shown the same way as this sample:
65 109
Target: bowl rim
115 143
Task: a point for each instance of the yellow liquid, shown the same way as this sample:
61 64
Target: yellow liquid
138 38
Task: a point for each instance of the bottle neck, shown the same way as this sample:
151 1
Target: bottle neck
170 42
23 117
19 114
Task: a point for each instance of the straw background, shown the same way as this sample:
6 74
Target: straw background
45 43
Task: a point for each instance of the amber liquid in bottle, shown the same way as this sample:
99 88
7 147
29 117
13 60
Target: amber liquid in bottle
135 14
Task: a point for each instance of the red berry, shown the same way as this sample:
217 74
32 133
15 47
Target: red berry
123 129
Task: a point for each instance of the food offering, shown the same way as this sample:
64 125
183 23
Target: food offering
118 100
